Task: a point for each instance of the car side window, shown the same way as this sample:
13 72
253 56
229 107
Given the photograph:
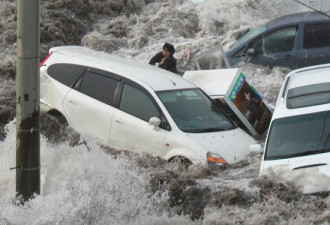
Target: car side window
255 44
137 103
97 86
316 35
279 41
240 53
67 74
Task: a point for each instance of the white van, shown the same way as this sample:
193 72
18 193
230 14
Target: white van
297 146
138 107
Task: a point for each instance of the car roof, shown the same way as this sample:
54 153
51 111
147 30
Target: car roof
156 78
296 18
303 82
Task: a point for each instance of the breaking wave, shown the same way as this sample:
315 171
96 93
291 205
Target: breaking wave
84 183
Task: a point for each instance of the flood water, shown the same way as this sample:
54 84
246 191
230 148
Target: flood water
83 183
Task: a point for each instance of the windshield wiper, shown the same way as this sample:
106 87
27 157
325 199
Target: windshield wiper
214 129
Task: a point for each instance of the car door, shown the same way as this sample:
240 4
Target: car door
272 48
315 45
88 106
250 53
279 47
130 128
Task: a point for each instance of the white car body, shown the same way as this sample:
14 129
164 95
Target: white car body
120 130
305 93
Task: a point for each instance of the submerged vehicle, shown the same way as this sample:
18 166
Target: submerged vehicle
132 106
297 146
293 41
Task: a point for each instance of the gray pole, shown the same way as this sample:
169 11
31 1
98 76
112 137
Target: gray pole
27 100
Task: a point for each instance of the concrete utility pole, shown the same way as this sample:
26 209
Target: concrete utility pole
27 100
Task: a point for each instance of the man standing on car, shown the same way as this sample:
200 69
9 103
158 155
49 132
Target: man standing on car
165 59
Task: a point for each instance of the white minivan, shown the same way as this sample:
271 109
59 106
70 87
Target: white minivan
138 107
297 146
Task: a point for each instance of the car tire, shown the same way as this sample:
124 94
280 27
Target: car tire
180 160
54 126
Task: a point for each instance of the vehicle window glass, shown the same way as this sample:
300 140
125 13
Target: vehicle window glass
240 53
99 87
308 100
279 41
299 135
137 103
211 59
257 45
249 35
194 112
309 95
65 73
317 35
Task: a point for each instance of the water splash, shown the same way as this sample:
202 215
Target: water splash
83 183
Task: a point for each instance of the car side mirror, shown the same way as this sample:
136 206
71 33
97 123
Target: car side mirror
155 121
251 51
257 148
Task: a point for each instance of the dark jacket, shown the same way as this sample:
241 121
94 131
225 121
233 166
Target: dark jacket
170 62
256 111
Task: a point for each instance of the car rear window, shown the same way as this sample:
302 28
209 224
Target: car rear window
317 35
310 95
65 73
98 86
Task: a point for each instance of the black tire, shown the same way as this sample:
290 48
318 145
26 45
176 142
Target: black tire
57 118
181 160
53 126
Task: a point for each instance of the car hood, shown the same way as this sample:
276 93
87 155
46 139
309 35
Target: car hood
310 173
232 145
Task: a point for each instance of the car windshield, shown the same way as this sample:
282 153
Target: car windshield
194 112
299 136
251 34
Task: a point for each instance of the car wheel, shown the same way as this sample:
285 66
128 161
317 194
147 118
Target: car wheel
57 118
180 160
54 126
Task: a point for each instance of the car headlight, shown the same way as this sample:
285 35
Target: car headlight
215 161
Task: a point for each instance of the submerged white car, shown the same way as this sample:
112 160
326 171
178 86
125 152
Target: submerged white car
297 146
131 106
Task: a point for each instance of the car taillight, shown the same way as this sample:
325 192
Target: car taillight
43 62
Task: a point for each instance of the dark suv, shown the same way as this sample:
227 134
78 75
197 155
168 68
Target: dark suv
294 41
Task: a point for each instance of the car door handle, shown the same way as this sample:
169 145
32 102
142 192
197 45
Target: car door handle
119 121
73 102
288 57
